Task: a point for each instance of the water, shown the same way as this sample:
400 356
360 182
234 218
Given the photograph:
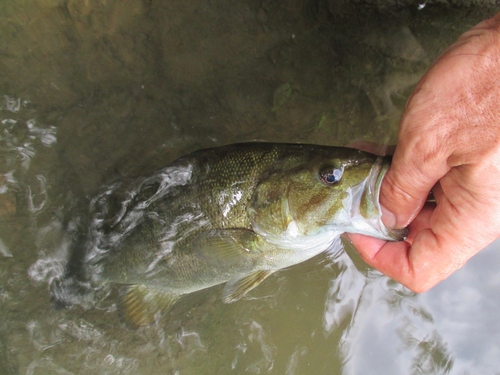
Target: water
95 90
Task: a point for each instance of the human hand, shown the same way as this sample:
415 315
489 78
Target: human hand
449 141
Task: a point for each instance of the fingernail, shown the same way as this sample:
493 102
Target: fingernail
388 218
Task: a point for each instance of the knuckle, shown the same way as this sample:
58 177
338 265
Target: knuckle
397 190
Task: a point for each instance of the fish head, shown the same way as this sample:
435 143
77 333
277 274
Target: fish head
325 189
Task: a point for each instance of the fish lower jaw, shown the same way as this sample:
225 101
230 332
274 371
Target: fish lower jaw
292 248
372 226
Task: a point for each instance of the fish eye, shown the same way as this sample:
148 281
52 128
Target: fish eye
331 175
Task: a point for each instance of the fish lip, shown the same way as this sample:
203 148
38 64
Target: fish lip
362 205
383 164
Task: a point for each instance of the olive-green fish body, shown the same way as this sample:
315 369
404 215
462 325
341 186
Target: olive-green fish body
232 214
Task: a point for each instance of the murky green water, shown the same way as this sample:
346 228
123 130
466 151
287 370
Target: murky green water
93 90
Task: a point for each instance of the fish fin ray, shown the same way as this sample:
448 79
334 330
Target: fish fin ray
140 305
229 245
237 287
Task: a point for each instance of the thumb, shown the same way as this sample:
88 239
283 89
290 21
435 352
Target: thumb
407 184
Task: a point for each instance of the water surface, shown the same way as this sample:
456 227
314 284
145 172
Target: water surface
96 90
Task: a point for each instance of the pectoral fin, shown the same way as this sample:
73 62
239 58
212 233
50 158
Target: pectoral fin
140 305
230 245
237 287
238 252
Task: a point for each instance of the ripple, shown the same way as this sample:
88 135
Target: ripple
20 137
12 104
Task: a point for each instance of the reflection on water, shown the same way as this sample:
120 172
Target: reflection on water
92 91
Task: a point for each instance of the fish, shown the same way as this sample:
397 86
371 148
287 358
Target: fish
233 214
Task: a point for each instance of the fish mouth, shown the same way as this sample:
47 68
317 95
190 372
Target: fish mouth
370 202
366 216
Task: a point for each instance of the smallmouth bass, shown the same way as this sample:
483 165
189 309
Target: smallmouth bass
233 214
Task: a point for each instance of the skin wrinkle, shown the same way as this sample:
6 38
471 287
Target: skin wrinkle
474 54
459 203
429 158
449 197
481 196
